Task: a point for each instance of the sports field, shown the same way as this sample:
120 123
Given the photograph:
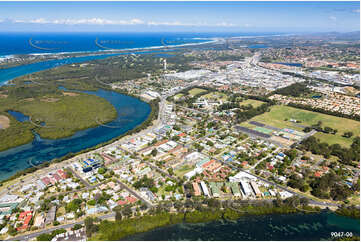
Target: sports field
215 96
196 91
276 117
254 103
263 130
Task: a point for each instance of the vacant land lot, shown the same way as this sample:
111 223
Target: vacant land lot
254 103
276 117
196 91
4 122
183 170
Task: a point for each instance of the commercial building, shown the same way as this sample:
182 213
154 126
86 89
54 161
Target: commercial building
204 189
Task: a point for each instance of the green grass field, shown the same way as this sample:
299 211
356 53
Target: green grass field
215 96
276 117
183 170
254 103
196 91
179 95
263 130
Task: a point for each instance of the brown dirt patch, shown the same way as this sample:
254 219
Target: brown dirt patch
4 122
3 96
50 100
72 94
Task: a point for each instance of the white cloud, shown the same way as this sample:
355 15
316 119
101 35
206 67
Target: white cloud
199 24
94 21
33 21
135 21
333 18
175 23
356 11
225 24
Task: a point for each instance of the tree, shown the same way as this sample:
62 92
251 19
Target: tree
91 202
73 206
44 237
127 211
340 192
348 134
76 227
118 216
277 202
210 143
154 152
170 171
189 203
304 201
101 170
90 226
328 129
177 205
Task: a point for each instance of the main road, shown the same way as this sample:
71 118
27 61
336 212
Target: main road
65 226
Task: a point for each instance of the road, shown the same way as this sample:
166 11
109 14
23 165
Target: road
148 203
269 155
280 187
65 226
79 177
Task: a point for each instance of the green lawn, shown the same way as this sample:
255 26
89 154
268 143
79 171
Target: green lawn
179 95
276 117
196 91
254 103
334 139
215 96
183 170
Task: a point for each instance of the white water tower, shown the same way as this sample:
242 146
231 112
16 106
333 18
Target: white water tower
165 64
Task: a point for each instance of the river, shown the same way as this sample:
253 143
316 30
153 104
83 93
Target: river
131 112
14 72
275 227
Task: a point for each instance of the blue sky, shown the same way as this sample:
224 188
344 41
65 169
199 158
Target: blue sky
180 16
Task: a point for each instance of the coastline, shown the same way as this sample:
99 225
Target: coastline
73 54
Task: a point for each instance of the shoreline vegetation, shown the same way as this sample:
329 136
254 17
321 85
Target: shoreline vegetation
148 122
72 77
116 230
350 212
47 83
63 116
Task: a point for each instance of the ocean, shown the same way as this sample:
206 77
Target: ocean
44 43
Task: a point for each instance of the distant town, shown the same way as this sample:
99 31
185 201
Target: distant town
238 125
